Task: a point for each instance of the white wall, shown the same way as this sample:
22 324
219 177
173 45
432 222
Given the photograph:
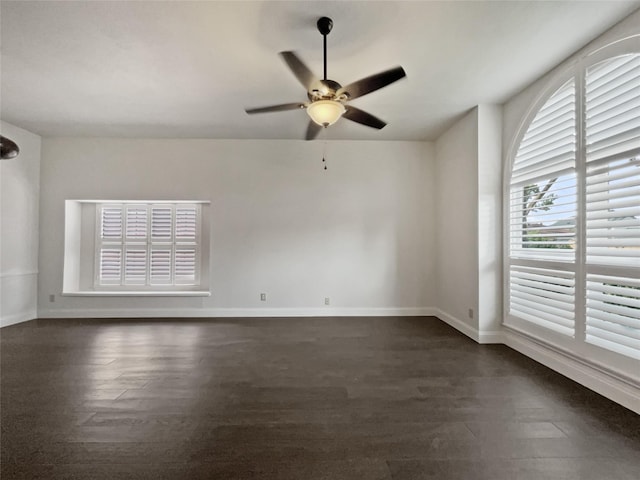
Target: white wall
489 211
360 232
456 223
19 192
469 224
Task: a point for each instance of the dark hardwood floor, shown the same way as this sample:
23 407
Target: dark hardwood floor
307 398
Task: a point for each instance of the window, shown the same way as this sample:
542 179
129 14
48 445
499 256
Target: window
147 245
573 260
136 248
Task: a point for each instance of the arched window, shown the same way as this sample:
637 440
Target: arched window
573 260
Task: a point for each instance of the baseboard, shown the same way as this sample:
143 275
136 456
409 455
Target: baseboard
469 331
17 318
607 384
235 312
491 337
458 324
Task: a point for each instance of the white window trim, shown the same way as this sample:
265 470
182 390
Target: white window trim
138 293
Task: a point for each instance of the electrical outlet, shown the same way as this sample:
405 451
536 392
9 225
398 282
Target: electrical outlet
327 301
471 313
52 298
263 297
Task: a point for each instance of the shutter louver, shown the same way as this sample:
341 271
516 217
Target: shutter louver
161 223
135 270
612 106
110 266
136 223
160 267
544 297
111 223
613 313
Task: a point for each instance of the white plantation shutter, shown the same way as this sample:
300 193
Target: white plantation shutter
162 223
185 264
543 169
613 313
110 253
160 246
612 102
186 223
160 265
135 269
543 217
111 223
136 222
613 212
186 253
612 204
543 296
549 145
110 265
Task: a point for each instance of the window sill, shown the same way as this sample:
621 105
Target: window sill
138 293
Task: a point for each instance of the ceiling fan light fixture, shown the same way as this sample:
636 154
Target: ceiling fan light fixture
325 112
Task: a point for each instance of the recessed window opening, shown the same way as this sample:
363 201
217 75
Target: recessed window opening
130 247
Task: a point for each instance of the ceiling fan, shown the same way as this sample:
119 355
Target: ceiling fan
328 100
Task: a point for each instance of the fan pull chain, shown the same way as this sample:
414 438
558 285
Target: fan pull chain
324 148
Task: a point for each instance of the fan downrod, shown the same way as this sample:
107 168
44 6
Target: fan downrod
325 24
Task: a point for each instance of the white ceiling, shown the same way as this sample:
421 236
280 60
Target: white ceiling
188 69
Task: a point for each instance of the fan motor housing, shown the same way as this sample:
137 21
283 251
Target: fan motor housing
324 90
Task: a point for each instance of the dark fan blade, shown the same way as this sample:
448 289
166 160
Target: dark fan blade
372 83
360 116
312 130
299 69
8 148
275 108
